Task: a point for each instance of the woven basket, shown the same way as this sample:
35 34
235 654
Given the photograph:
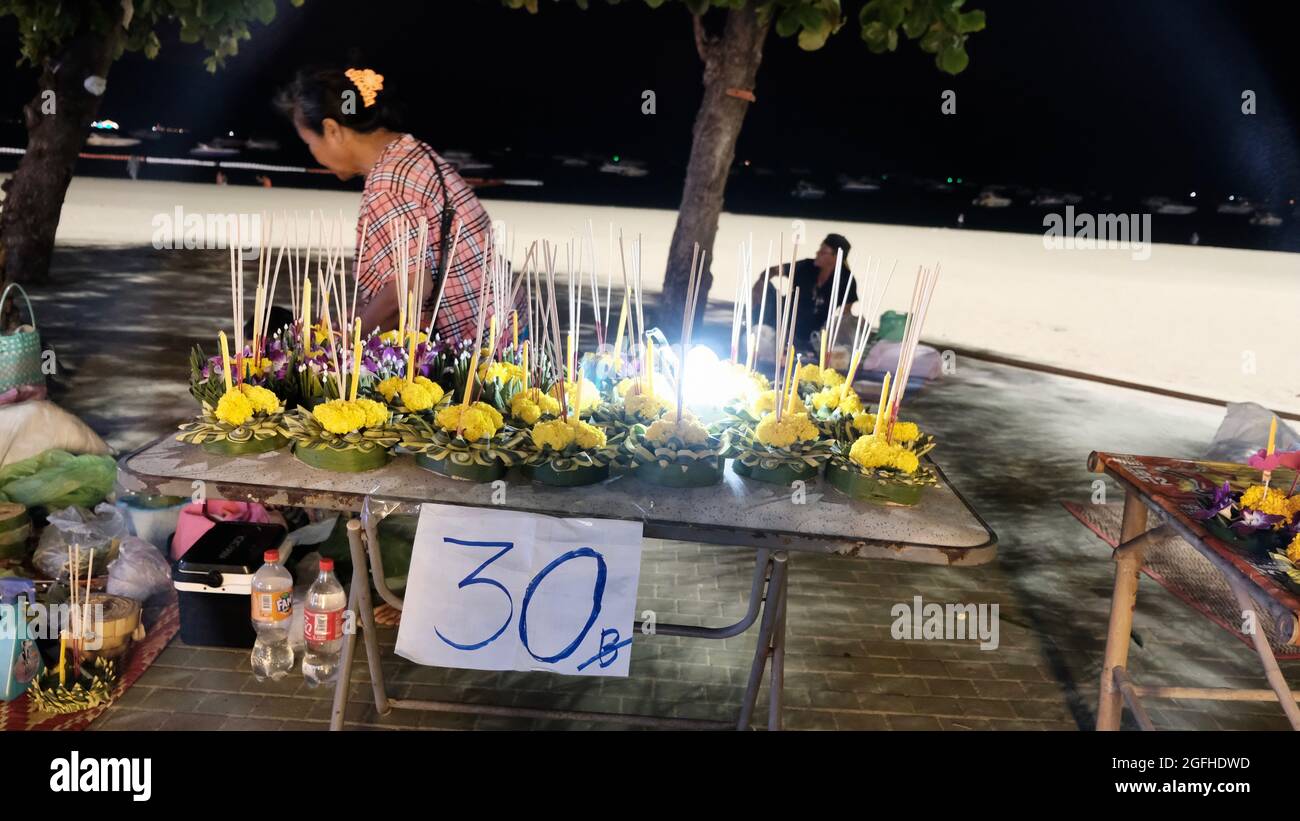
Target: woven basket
20 352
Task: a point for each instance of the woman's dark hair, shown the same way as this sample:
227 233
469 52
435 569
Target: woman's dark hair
319 93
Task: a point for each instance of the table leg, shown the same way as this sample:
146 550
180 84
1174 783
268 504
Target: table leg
776 689
1271 671
344 681
366 608
763 647
1123 600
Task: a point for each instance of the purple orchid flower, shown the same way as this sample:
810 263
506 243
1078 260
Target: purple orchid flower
1218 503
1253 520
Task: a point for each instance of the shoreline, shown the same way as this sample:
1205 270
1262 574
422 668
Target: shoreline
1198 320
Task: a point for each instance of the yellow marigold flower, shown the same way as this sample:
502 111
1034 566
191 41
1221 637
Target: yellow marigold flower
846 401
1266 500
791 428
865 422
477 421
531 405
809 373
262 400
765 402
686 429
587 437
234 408
390 387
376 412
645 405
870 452
421 395
903 431
1293 550
831 378
659 385
555 434
582 396
341 416
505 371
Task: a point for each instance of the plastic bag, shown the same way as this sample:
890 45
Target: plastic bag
57 479
98 533
1244 432
139 572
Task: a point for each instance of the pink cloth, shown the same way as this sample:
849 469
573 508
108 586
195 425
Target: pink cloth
22 393
196 519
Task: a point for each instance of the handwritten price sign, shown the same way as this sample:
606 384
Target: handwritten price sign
503 590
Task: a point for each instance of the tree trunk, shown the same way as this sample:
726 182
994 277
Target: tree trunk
34 195
730 63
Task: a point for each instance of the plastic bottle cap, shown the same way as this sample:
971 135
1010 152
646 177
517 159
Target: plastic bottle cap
271 556
326 564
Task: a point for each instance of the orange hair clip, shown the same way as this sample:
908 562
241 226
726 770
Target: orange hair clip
367 82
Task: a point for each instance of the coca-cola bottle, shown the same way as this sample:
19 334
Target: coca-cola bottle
323 627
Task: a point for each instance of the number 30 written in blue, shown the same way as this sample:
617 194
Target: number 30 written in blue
598 593
473 578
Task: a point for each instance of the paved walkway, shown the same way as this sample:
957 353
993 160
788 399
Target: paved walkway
1015 442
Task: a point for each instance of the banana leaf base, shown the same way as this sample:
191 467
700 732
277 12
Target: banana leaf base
870 489
1257 544
546 474
225 447
782 474
469 471
342 461
698 473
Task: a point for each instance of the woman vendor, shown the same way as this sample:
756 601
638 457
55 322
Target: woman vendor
352 126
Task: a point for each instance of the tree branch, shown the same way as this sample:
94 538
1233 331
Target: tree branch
703 45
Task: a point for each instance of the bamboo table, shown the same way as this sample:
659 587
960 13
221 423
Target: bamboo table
1222 582
943 529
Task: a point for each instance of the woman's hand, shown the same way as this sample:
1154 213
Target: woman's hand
381 311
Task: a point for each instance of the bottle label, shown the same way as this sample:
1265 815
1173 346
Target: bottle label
323 625
272 606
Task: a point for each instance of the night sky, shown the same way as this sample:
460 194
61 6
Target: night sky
1133 96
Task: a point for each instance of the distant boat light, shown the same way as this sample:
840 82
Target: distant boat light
1193 195
104 125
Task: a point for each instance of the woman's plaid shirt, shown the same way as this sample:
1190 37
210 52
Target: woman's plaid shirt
404 183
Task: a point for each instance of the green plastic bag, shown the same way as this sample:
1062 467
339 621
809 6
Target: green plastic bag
57 479
396 542
892 324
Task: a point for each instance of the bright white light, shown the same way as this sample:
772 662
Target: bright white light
709 383
1193 195
1231 197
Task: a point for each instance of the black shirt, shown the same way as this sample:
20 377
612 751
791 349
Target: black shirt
814 301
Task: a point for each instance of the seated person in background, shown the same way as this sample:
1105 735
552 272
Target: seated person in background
814 278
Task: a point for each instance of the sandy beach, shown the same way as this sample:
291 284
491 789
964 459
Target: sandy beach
1209 321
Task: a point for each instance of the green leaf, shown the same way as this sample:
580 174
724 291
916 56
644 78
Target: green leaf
917 22
813 39
970 21
788 23
952 60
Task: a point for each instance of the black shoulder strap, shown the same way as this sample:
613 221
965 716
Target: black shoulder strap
448 213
